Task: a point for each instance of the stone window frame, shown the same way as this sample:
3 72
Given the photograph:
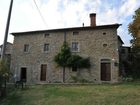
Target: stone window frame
74 33
46 47
76 47
46 35
26 48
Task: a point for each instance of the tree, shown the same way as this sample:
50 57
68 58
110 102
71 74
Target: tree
65 59
77 61
4 75
134 30
62 57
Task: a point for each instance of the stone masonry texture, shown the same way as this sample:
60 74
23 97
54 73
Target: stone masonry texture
91 44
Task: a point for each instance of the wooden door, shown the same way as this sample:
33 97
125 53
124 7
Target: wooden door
105 71
43 72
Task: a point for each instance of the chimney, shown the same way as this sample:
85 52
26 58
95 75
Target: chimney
93 19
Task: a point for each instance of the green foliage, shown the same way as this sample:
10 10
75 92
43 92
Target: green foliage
127 93
79 80
74 78
132 67
137 14
127 79
128 68
78 61
65 59
135 62
4 72
62 57
134 28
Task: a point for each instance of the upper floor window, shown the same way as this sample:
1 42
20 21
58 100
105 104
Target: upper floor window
46 47
46 35
75 46
104 45
104 33
26 47
75 33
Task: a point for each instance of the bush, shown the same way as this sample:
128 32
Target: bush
128 79
4 75
74 78
79 80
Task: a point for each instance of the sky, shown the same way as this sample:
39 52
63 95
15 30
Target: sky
66 13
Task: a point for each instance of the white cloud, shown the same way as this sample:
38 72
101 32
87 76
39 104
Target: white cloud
128 7
26 17
3 17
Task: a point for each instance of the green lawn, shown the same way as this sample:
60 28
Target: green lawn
119 94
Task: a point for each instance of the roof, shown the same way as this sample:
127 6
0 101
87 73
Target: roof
6 43
69 29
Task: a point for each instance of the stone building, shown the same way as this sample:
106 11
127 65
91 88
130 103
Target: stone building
8 52
34 51
126 60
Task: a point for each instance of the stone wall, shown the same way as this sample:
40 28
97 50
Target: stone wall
96 44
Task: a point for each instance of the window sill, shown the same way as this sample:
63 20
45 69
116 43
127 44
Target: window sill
46 52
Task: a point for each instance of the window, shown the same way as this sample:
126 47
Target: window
75 33
26 48
104 45
46 35
46 47
75 46
104 33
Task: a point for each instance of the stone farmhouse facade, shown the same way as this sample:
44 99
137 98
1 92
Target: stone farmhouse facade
33 53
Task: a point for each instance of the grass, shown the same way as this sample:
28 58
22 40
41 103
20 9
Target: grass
106 94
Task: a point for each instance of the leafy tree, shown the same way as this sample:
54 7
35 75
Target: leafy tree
65 59
62 57
134 30
78 62
135 62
